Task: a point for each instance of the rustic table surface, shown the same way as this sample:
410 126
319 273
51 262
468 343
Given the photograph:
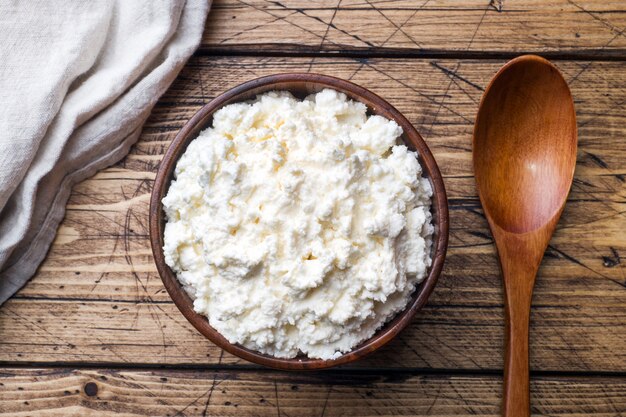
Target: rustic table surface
95 333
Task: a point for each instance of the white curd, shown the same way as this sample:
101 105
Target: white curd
298 226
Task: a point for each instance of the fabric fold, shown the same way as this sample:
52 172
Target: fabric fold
91 108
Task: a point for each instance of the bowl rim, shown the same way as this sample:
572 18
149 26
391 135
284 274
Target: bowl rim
376 105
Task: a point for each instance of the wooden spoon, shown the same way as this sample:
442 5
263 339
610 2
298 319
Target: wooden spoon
524 155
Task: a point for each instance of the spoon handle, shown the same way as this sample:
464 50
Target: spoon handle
520 256
519 269
516 399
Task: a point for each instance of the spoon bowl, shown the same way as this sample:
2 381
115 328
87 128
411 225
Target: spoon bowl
524 155
526 127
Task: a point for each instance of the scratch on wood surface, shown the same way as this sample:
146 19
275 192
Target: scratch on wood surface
325 33
457 351
181 412
283 18
143 387
276 396
611 261
51 336
413 350
317 19
604 22
330 388
329 24
583 187
616 105
457 68
498 5
104 272
201 85
435 399
363 61
399 28
109 347
588 268
586 66
210 394
416 91
597 160
453 74
260 25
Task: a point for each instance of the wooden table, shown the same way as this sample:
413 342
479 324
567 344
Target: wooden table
94 333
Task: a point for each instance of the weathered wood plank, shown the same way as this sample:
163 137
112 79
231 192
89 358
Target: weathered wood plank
442 337
580 27
97 297
68 392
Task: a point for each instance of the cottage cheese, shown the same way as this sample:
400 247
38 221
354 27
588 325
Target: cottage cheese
298 226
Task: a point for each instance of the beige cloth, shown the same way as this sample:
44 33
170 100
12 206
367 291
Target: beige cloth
77 81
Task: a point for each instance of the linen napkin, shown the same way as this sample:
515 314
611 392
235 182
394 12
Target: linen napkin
77 81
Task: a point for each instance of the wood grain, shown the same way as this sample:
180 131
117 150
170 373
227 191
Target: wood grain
85 392
98 299
476 27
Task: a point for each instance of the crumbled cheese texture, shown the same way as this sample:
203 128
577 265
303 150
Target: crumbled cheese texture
299 226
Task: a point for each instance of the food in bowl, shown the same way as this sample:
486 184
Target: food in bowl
298 226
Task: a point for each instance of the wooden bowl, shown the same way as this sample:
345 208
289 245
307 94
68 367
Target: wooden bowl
301 85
